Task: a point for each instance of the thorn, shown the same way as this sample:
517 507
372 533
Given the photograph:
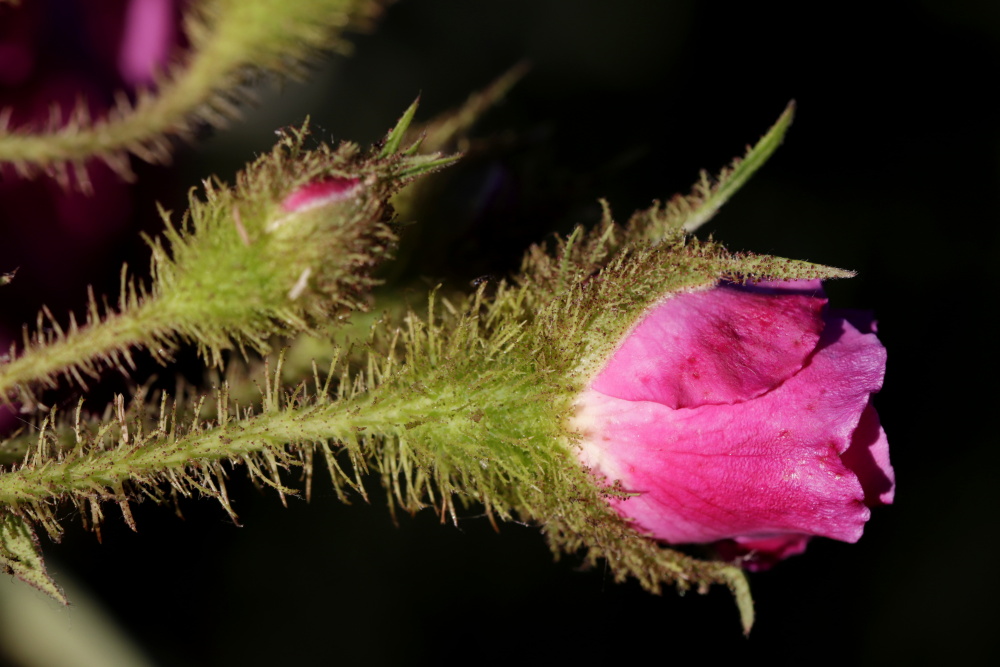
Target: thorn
307 466
224 495
126 512
493 521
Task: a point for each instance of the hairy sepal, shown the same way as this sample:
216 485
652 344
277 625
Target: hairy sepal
688 212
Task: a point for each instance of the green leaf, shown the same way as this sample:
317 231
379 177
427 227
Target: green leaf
20 556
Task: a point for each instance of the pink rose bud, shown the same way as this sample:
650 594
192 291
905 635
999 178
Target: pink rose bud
742 416
321 193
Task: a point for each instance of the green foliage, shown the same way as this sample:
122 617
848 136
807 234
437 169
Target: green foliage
231 42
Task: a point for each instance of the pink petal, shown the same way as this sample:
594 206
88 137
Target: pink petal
717 346
320 193
868 458
763 552
757 469
862 320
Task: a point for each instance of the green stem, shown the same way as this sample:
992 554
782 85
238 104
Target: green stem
79 348
162 453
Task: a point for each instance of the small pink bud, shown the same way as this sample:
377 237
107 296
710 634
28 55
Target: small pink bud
742 416
321 193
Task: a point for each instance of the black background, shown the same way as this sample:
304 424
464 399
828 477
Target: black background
891 169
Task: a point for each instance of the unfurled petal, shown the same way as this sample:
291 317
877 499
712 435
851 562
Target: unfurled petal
718 346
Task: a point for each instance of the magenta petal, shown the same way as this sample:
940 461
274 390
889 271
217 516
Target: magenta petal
862 320
722 345
762 553
765 467
868 458
320 193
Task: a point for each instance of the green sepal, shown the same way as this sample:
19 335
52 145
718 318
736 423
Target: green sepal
736 579
689 212
392 141
449 132
20 555
748 267
418 165
446 131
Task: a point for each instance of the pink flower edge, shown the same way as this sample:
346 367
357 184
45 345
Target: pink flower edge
320 193
756 466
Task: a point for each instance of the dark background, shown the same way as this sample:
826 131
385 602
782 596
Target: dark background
891 169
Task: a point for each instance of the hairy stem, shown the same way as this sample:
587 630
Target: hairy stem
163 452
109 338
229 37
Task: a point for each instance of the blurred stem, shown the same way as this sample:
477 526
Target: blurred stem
228 37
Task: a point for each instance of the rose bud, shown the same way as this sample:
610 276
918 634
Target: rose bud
742 416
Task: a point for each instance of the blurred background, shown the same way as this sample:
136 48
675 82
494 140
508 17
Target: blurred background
891 169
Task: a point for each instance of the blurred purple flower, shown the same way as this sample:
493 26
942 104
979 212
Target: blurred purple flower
56 55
